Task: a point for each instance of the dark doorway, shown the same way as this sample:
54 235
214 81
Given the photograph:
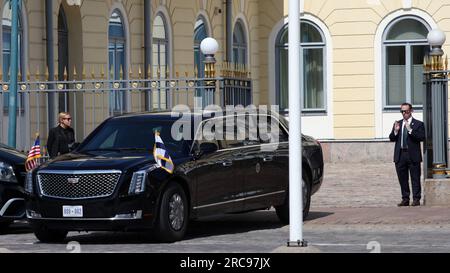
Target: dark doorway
63 57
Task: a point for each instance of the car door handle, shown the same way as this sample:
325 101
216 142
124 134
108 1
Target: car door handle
227 163
238 154
268 158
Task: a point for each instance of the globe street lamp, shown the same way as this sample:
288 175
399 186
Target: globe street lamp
209 47
436 38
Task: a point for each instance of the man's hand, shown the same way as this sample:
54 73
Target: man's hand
396 127
408 126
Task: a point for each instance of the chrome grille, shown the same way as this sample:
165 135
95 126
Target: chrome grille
78 185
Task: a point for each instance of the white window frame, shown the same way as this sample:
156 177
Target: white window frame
312 45
385 119
318 125
408 44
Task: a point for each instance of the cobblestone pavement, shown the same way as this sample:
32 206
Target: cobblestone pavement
329 230
358 185
355 207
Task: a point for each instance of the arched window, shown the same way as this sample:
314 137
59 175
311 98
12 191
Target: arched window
404 45
200 33
313 77
160 59
6 50
239 45
117 65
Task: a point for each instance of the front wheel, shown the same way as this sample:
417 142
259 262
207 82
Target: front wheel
46 235
283 210
173 214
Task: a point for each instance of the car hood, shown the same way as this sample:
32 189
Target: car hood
12 156
104 161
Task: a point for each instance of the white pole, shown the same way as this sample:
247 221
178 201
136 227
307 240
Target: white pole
295 139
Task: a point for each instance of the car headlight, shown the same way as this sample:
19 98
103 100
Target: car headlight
29 182
7 173
138 182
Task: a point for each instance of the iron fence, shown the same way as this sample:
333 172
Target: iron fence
91 101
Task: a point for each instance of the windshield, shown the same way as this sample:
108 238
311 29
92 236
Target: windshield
121 135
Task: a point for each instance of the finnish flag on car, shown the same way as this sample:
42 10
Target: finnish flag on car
161 155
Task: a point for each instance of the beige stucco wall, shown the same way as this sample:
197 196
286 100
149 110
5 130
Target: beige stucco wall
353 25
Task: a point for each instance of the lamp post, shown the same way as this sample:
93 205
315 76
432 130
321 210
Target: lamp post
12 119
209 47
436 97
295 132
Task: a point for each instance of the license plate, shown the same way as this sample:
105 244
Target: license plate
72 211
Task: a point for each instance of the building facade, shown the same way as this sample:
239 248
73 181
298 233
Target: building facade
361 58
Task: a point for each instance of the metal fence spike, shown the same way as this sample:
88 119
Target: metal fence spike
83 73
38 73
65 73
92 72
446 63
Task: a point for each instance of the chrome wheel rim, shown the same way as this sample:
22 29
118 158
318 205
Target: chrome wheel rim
176 212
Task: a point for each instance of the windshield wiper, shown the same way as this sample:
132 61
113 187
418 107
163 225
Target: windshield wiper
134 149
101 150
115 150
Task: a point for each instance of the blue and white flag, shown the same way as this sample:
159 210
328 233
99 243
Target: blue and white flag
161 155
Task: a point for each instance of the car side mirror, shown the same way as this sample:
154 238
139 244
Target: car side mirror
209 147
74 146
206 148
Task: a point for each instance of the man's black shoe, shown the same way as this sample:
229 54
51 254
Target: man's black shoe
416 203
404 203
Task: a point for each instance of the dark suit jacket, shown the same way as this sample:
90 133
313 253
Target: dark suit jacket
59 140
417 135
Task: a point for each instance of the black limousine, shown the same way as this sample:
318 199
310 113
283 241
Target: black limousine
12 180
112 182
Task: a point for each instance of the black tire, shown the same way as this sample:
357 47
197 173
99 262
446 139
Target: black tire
173 215
283 210
46 235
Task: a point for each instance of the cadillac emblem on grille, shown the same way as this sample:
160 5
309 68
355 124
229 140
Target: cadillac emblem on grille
72 180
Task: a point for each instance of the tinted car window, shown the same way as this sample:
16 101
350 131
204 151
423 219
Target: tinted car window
231 139
211 132
123 135
273 132
220 130
247 129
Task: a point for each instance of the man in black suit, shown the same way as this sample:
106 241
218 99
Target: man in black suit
407 134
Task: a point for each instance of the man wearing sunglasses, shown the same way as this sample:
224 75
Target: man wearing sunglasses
62 137
407 134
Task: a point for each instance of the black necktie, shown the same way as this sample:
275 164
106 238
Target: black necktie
404 137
